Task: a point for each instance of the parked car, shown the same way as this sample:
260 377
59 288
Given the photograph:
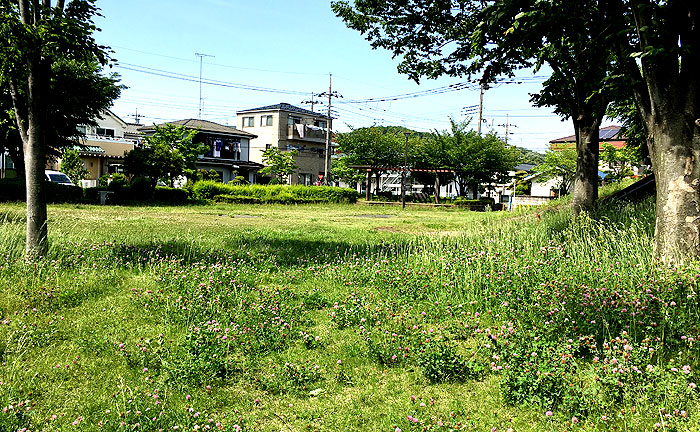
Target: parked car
58 177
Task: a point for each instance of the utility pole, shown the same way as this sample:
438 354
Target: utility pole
311 101
507 125
327 162
481 108
201 58
403 171
137 116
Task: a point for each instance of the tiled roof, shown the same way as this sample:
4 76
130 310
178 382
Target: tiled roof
604 134
204 126
285 107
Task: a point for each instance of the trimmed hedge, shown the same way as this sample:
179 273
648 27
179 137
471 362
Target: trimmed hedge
480 204
15 190
279 194
168 195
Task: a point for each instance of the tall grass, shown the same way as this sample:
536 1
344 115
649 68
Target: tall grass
333 317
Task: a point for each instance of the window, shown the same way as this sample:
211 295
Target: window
248 121
293 120
268 146
320 123
82 130
266 120
105 132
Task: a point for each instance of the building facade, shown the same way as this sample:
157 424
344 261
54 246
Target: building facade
228 149
288 128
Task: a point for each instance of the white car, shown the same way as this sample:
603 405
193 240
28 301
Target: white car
58 177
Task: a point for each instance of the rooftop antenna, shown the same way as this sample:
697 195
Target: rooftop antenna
201 60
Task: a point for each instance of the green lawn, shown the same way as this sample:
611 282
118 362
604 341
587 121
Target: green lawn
344 317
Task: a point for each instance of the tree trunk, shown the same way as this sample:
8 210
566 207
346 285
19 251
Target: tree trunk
587 151
675 155
368 186
475 190
379 175
437 189
35 163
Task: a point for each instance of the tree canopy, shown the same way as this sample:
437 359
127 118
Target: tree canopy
594 48
50 65
280 165
168 153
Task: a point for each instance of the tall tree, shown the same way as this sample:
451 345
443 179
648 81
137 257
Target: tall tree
169 152
40 43
373 146
478 160
492 39
659 45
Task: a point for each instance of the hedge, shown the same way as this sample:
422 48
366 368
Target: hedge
14 190
283 194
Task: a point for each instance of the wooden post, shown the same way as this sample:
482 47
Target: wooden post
368 185
437 188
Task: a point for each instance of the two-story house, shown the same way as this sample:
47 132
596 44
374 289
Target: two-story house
103 146
288 127
228 148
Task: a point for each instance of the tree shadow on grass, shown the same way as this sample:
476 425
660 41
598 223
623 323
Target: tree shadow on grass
280 252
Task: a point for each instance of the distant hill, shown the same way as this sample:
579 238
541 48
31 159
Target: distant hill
530 156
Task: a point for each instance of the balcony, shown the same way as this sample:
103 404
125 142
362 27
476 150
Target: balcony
304 132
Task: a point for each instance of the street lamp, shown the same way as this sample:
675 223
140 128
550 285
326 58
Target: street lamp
403 171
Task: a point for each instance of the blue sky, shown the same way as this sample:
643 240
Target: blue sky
270 51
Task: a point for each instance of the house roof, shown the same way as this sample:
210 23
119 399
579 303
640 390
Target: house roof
284 107
524 167
204 126
116 117
607 133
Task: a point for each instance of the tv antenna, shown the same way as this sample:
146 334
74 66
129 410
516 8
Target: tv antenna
201 61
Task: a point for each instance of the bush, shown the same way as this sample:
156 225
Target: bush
169 195
12 189
119 182
56 193
269 194
140 189
240 181
481 204
237 199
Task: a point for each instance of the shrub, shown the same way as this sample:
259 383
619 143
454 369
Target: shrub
240 181
169 195
119 182
269 194
237 199
12 189
140 189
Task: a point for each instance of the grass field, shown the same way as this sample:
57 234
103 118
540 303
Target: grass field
344 317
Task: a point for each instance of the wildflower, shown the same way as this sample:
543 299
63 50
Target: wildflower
549 413
692 385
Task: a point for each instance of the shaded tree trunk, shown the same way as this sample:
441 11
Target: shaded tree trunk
368 186
587 151
675 155
437 189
